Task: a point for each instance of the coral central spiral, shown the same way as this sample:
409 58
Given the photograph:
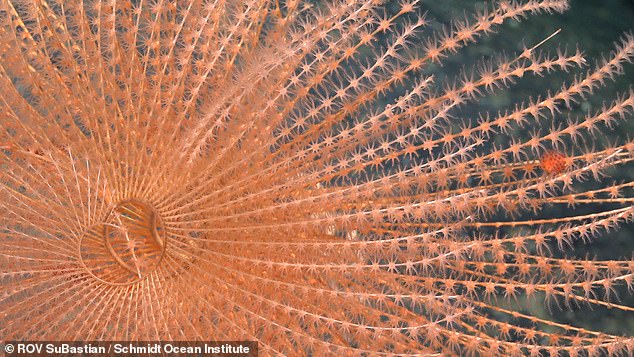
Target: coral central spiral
127 246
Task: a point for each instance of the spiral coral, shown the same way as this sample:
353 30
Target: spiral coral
295 174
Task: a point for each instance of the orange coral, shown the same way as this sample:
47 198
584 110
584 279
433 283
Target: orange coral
295 173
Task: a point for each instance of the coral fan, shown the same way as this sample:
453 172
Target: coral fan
298 175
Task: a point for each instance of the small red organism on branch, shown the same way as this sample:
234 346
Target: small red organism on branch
554 162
